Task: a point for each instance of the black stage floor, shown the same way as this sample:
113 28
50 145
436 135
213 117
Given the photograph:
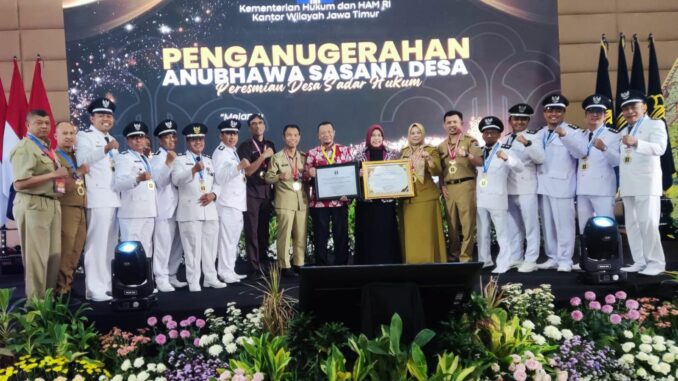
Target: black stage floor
183 303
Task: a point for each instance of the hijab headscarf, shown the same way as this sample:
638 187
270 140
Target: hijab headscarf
418 164
374 153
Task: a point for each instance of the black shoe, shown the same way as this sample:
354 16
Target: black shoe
288 273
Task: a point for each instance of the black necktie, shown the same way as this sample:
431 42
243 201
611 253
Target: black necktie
590 135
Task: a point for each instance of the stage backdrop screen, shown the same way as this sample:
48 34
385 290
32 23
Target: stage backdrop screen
354 63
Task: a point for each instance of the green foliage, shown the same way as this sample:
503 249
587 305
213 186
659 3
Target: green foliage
47 327
267 355
7 321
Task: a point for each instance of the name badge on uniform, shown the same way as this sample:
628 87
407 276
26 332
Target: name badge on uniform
584 163
203 187
60 185
627 159
150 184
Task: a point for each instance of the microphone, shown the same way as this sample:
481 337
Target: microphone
197 159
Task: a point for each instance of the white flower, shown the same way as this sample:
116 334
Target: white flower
231 348
161 368
538 339
647 348
117 377
664 368
627 358
139 362
215 350
125 365
642 356
552 332
209 311
527 324
227 339
628 346
645 339
628 334
132 377
143 376
567 334
641 372
230 329
659 340
659 347
669 358
553 319
653 360
150 367
160 379
495 367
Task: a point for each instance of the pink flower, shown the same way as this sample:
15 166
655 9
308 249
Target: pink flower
199 323
196 342
621 295
239 371
594 305
610 299
171 324
607 309
632 304
160 339
532 364
184 323
615 319
258 377
520 375
633 315
575 302
166 318
576 315
152 321
590 295
191 319
173 334
184 334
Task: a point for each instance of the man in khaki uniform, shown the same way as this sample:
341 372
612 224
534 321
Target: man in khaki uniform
38 181
459 185
73 203
291 200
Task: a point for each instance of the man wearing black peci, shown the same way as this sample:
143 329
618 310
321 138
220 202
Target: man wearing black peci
258 152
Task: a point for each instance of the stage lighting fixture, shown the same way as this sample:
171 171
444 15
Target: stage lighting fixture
601 253
133 282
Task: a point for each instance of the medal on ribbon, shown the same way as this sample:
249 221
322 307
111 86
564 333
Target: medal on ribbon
452 154
484 181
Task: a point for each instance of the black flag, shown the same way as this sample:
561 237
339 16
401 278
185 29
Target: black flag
637 72
603 85
656 110
622 82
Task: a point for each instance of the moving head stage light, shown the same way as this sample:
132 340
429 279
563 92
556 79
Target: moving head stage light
601 254
133 282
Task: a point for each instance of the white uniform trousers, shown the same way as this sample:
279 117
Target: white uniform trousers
523 225
199 240
230 228
641 214
498 217
102 237
589 206
167 249
138 229
557 218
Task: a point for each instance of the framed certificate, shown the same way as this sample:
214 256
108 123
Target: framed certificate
387 179
335 181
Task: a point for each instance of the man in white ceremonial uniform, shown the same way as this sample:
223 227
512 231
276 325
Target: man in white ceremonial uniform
134 180
193 173
97 148
640 183
167 249
597 148
232 202
491 194
556 186
523 203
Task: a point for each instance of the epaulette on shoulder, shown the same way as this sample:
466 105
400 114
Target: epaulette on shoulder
124 152
156 153
221 147
532 132
573 126
613 130
86 129
505 146
181 154
207 156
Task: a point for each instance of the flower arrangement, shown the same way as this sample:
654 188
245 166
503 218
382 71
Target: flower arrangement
52 368
659 316
190 364
527 366
652 357
118 343
579 359
531 304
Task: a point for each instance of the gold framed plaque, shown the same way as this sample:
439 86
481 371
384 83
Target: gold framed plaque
387 179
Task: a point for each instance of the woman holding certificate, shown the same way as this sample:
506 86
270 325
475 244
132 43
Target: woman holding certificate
376 228
421 220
